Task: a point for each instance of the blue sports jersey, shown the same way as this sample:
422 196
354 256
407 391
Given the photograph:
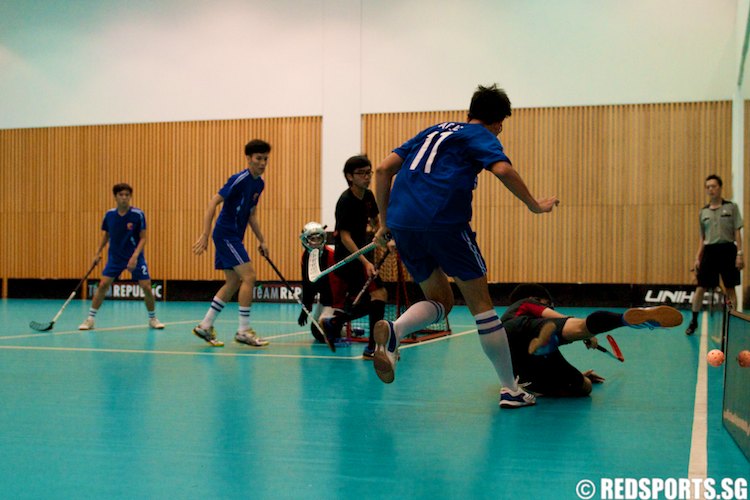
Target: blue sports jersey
240 193
433 189
124 232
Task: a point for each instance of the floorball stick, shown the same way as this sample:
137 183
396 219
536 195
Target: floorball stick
45 327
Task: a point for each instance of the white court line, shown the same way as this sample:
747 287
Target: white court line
698 465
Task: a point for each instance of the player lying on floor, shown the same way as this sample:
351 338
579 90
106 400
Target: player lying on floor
334 314
536 330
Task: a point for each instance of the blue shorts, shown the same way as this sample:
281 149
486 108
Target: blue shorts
115 267
454 251
230 252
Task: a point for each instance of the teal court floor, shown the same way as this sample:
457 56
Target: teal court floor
128 412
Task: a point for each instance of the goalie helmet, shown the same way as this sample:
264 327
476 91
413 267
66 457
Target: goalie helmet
313 235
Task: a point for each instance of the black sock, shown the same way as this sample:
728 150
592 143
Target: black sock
337 322
695 317
377 312
603 321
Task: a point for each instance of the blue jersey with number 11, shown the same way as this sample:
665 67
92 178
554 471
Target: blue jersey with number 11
433 189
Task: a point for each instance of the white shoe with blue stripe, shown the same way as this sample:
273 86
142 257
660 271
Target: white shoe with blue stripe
510 398
386 351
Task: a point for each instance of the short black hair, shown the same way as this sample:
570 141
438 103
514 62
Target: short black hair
354 163
714 176
489 105
528 290
257 146
121 187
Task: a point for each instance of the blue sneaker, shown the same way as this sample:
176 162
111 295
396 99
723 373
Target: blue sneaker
652 317
368 353
515 398
386 351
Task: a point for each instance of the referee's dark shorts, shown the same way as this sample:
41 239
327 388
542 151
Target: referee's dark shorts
718 259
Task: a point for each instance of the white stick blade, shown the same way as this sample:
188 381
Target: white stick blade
313 265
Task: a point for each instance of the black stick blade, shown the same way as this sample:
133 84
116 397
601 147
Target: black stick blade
41 327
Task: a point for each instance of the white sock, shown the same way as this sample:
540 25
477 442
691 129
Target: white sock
92 312
244 319
216 307
418 316
495 345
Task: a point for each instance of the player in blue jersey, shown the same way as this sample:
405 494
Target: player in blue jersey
240 199
124 228
428 210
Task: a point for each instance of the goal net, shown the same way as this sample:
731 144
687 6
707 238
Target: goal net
402 293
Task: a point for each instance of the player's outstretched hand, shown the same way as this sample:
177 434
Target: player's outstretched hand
201 245
546 204
595 379
302 320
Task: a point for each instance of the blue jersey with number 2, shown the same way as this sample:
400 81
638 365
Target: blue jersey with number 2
433 189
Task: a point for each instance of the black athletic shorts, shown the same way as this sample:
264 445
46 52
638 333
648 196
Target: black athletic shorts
719 259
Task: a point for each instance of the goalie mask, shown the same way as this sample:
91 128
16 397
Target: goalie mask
313 235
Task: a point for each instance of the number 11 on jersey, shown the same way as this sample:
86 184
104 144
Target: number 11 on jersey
432 147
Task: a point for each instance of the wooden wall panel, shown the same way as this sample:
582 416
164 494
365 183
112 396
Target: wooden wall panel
630 179
55 185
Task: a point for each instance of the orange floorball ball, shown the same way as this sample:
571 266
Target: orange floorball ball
743 358
715 357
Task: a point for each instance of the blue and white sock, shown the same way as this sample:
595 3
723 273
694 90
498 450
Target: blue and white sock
92 312
495 345
417 317
244 319
216 307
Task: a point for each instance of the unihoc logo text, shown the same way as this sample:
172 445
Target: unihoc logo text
677 297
